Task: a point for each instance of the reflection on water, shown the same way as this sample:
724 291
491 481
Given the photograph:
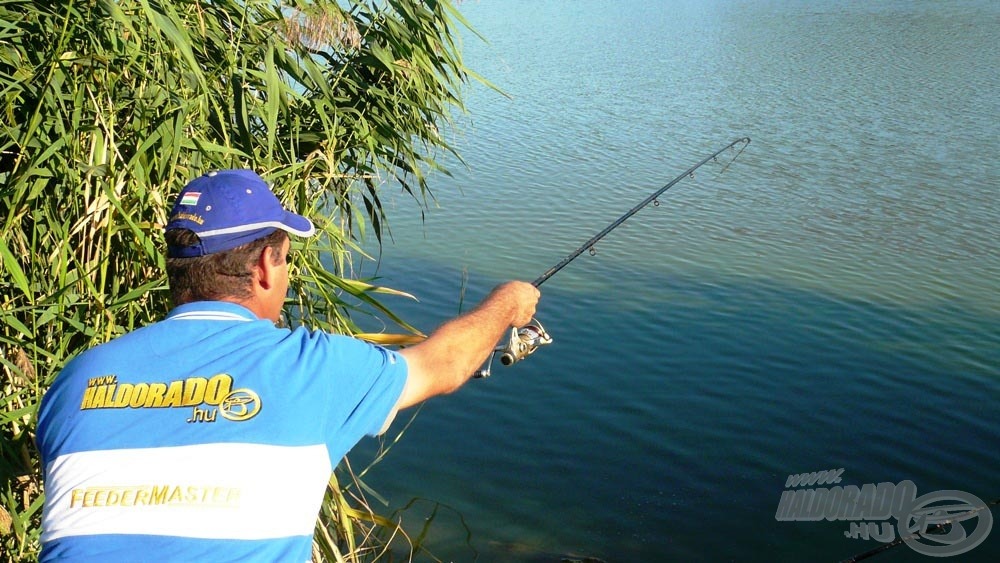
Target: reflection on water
829 301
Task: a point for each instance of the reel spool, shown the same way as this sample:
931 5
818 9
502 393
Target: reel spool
522 343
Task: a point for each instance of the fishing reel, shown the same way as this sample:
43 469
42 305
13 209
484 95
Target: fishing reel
522 343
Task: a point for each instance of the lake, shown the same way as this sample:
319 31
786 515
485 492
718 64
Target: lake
830 301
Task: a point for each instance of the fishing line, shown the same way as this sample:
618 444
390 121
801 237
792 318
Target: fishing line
525 340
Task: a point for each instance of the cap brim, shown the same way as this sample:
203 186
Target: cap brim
297 225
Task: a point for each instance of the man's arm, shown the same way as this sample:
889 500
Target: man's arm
450 355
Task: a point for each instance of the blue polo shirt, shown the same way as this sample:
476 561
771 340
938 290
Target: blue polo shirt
210 435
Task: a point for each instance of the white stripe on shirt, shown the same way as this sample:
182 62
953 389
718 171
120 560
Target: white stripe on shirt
220 491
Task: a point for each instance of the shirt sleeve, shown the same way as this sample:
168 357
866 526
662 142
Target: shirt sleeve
364 383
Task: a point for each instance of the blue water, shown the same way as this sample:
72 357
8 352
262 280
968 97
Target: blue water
829 301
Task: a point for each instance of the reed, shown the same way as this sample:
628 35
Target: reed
110 106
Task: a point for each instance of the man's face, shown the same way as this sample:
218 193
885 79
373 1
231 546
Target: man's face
277 298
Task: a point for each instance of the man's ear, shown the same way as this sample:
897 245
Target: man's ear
265 268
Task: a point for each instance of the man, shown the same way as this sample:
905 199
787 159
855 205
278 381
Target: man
211 434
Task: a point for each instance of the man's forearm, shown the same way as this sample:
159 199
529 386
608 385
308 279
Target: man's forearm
450 355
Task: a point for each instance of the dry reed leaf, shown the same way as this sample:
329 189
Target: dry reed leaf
322 29
5 521
29 489
23 363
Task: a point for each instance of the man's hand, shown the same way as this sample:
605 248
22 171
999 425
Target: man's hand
523 298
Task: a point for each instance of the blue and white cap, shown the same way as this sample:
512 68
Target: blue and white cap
229 208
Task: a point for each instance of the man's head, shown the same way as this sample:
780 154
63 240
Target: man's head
226 240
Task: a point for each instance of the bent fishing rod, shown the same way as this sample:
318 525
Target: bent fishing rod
525 340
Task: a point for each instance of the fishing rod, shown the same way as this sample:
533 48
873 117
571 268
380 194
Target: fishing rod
525 340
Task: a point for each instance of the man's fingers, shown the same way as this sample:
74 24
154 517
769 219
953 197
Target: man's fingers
525 297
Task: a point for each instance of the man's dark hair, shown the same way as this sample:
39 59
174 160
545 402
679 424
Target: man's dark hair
219 275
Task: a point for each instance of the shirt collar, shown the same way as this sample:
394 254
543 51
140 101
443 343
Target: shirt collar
211 311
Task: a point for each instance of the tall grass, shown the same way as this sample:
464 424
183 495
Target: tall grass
107 107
